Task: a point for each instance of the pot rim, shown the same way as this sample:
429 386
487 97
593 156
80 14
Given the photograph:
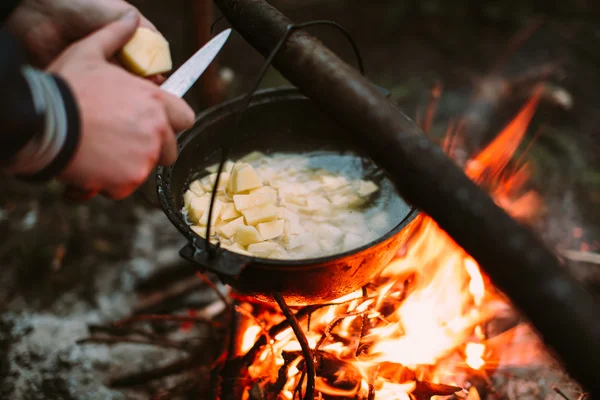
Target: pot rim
212 115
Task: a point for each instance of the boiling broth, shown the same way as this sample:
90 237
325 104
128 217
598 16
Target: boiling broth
342 201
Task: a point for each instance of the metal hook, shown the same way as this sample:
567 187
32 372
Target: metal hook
246 102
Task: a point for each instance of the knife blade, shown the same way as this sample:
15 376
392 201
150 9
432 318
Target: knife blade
184 78
177 84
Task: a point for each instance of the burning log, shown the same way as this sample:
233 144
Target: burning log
335 378
256 393
425 390
282 375
338 375
557 305
283 325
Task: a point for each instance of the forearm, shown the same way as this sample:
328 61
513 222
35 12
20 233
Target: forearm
39 116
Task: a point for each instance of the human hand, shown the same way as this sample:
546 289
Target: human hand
47 27
127 123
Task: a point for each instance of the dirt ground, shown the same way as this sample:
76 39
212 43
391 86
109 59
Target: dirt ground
66 265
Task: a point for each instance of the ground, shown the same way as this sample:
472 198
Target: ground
65 266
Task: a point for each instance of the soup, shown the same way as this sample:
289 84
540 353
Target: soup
294 206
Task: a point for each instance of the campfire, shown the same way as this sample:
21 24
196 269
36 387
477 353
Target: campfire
428 326
121 312
431 325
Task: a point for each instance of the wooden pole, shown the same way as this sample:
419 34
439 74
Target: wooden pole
564 313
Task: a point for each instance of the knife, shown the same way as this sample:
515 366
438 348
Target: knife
184 78
177 84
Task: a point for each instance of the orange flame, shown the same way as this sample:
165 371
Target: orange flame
249 337
426 313
474 352
496 156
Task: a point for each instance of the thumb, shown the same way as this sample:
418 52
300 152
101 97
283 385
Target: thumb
111 38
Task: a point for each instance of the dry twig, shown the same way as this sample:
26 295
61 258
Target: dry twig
146 376
582 256
303 341
169 318
158 301
214 287
560 393
120 340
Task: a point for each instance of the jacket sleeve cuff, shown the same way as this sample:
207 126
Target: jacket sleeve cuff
68 114
22 109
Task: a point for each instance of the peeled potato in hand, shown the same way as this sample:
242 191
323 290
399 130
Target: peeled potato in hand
147 53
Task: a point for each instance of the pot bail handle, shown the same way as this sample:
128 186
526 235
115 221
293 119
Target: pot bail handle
386 92
223 263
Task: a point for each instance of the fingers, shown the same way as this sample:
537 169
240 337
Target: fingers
179 113
111 38
180 116
168 153
147 24
157 79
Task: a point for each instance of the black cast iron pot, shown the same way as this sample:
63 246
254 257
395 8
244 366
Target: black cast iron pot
279 120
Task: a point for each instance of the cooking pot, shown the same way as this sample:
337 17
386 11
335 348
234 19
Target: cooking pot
276 120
